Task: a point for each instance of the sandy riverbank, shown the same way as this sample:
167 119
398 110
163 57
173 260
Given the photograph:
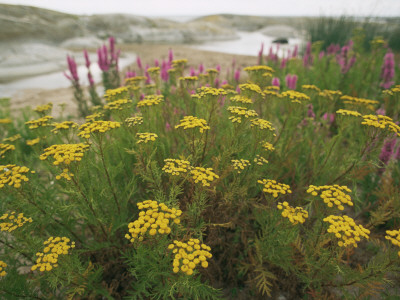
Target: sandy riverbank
147 53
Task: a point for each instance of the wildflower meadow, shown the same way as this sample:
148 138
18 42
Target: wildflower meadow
281 179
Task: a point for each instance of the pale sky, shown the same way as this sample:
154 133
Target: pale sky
206 7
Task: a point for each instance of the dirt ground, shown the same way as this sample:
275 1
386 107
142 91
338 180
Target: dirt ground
63 97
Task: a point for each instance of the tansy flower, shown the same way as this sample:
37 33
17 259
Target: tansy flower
187 255
4 148
13 175
294 214
394 237
63 126
53 250
267 146
155 218
96 127
346 112
250 89
44 108
93 117
310 87
10 222
205 92
176 166
151 100
295 96
332 194
259 160
382 122
189 122
238 112
205 176
274 188
262 124
33 142
3 265
240 164
12 138
241 99
118 104
41 122
115 94
145 137
346 230
133 121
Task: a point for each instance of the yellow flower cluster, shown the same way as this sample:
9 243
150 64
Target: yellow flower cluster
64 155
54 247
394 237
262 124
93 117
250 87
383 122
239 112
154 217
330 93
295 96
240 164
12 221
267 146
212 71
259 160
241 99
205 91
332 194
13 175
354 100
392 91
145 137
154 70
133 121
3 265
44 108
151 100
193 122
5 121
176 166
63 126
346 229
258 68
203 175
4 148
179 62
33 142
310 87
346 112
12 138
135 80
294 214
274 188
118 93
189 255
188 79
41 122
96 127
117 104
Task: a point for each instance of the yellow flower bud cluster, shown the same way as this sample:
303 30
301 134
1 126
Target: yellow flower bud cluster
96 127
154 70
383 122
240 164
154 217
41 122
12 138
188 79
64 155
346 230
189 255
12 221
394 237
274 188
354 100
5 121
118 104
238 112
176 166
259 160
151 100
212 71
332 194
206 91
54 247
134 80
3 265
258 69
115 94
295 96
13 175
250 87
241 99
310 87
330 93
63 126
133 121
145 137
262 124
33 142
392 91
44 108
346 112
294 214
4 148
176 63
193 122
93 117
203 175
267 146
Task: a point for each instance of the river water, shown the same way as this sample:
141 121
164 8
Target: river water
248 43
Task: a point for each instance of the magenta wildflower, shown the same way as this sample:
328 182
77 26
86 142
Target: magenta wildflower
216 83
170 55
321 55
260 54
167 126
387 151
284 62
72 68
201 69
388 71
291 81
381 111
343 58
192 71
130 74
87 60
295 51
139 63
310 111
333 49
276 82
330 118
156 63
237 75
308 58
164 71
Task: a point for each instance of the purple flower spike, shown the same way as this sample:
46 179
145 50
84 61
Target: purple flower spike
291 81
201 68
276 82
170 56
308 59
139 63
112 45
295 51
72 68
156 63
237 75
387 151
90 78
388 70
87 60
218 67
